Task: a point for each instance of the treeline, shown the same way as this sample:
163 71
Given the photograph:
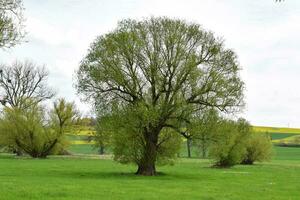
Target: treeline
226 142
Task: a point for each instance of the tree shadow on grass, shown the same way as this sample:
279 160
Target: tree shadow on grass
128 175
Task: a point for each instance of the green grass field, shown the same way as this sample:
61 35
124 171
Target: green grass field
85 175
95 178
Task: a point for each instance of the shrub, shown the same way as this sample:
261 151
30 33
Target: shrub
33 132
228 148
258 148
26 130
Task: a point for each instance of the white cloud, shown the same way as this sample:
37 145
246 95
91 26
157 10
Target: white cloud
264 34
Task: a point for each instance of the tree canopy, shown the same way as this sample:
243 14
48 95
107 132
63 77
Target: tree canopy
36 131
163 69
11 23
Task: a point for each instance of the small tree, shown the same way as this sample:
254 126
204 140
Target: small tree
229 147
33 132
23 84
63 116
11 23
27 130
259 148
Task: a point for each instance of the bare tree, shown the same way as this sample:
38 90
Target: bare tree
23 84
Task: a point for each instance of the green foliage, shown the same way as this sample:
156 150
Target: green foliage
11 23
168 146
162 70
230 142
27 130
102 136
62 121
258 148
122 129
202 128
63 116
32 131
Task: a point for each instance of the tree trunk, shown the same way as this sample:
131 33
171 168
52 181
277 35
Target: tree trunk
146 167
203 152
247 162
204 147
188 145
18 152
101 150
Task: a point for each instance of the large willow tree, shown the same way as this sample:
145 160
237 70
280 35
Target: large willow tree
163 70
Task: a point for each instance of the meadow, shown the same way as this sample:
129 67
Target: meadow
86 175
96 177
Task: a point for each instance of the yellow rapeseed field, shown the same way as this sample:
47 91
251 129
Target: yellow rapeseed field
276 129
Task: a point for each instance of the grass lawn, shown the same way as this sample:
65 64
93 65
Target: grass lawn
82 149
278 136
287 153
94 178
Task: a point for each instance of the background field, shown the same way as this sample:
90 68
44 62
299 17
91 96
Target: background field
80 143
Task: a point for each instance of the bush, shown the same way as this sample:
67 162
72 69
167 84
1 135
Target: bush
25 130
33 132
228 148
258 148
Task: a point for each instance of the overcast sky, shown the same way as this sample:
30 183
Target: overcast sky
264 34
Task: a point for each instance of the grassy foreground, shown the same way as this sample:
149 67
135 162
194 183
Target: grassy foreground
94 178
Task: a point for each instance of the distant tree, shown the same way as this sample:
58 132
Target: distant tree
164 70
63 115
203 127
86 121
182 129
199 130
102 136
188 136
11 23
63 120
21 82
